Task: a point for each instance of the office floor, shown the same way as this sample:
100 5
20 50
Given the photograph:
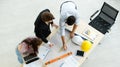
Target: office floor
16 23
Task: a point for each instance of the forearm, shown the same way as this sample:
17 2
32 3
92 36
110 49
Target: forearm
63 40
41 36
74 28
54 25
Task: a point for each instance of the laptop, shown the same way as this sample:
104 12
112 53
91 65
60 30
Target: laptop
30 58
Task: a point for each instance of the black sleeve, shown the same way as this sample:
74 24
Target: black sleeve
51 22
38 33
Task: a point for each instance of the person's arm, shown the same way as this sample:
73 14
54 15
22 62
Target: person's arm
63 39
76 14
53 24
64 43
62 32
38 33
73 30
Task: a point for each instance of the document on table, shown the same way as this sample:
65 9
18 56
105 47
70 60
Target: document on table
70 62
90 34
43 51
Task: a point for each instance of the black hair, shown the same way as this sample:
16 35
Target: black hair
70 20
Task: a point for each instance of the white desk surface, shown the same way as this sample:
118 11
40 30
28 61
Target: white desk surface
55 50
83 25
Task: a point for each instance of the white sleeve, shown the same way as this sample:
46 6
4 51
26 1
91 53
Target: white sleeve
62 26
77 18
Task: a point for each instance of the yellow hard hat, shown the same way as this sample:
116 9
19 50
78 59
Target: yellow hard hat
86 45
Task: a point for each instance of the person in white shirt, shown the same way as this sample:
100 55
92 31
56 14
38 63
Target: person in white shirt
70 16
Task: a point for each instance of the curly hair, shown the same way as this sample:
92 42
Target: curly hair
34 42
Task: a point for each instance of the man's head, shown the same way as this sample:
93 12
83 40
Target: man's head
70 20
47 16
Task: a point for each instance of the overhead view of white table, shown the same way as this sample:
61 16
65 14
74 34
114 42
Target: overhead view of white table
56 51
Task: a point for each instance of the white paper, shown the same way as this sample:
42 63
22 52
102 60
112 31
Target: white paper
43 51
70 62
90 34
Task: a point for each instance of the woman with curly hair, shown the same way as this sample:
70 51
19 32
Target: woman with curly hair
28 46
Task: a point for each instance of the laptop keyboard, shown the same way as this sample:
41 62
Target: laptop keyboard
30 58
100 24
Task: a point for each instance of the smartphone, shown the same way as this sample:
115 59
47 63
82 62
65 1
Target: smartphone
80 53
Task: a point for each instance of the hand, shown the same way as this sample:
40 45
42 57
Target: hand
71 35
64 47
50 45
56 26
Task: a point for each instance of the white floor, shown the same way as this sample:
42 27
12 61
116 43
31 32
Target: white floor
17 18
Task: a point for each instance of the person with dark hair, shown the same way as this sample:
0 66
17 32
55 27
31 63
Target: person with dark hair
26 47
70 16
42 25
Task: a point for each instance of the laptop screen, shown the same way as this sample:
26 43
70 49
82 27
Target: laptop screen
109 10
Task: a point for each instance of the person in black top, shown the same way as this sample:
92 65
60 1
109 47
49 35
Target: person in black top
42 25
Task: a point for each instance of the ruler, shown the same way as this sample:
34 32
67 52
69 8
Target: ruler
58 58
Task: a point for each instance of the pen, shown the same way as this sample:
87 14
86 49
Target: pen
61 65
